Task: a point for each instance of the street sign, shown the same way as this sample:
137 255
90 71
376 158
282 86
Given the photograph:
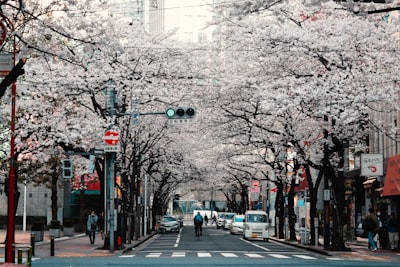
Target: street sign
111 138
109 148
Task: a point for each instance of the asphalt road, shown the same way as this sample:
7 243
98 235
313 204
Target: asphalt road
216 247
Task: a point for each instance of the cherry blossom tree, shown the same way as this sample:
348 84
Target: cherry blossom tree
308 76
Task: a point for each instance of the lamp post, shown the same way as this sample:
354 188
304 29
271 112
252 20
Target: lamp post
24 212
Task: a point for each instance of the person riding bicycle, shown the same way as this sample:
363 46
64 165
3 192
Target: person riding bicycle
198 222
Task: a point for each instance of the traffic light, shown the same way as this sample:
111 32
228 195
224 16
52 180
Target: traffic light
67 168
180 113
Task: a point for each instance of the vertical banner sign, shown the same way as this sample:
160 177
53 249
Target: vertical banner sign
371 165
3 33
392 180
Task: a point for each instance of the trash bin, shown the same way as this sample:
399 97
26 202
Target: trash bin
304 236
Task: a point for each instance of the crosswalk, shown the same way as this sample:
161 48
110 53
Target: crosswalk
182 254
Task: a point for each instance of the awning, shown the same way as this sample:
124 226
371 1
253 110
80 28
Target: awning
369 182
392 180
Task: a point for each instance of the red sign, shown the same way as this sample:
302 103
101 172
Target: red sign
111 137
392 181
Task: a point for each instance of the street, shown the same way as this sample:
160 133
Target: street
217 247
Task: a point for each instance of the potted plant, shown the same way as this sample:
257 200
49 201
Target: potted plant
37 229
68 228
55 228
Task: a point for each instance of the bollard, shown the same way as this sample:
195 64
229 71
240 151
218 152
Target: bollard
33 243
52 245
28 256
19 256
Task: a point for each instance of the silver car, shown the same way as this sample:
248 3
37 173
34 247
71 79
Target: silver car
228 220
237 224
169 224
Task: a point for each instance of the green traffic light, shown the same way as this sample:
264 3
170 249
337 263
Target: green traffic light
170 113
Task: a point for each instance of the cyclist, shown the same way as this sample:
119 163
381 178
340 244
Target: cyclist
198 222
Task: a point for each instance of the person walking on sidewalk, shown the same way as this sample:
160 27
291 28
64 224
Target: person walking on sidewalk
92 226
371 226
100 224
393 227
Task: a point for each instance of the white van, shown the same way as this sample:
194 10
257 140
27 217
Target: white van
256 225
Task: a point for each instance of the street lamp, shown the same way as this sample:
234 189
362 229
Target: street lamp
24 212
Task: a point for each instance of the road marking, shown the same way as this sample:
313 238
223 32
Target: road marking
178 254
154 255
229 255
251 243
334 259
178 239
279 256
306 257
203 254
254 255
127 256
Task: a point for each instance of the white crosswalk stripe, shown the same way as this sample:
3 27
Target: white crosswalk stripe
183 254
229 255
178 254
279 256
305 257
154 255
254 255
204 254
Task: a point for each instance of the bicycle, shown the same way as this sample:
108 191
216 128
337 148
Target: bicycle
197 231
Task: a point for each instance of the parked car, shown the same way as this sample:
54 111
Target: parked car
169 224
237 224
228 220
220 219
256 225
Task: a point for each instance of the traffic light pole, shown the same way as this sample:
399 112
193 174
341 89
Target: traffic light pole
110 215
10 239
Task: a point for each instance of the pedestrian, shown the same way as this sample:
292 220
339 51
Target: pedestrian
206 219
92 226
100 224
383 234
393 227
214 219
371 226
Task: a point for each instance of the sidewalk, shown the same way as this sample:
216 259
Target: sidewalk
75 246
358 249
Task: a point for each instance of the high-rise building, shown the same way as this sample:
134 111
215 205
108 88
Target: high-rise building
188 18
131 9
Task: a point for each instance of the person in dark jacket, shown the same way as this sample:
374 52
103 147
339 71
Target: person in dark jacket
92 226
374 229
100 224
393 227
198 222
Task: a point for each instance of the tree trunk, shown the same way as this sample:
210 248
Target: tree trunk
280 209
54 179
291 213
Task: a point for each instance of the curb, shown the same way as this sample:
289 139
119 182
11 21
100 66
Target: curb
59 239
129 247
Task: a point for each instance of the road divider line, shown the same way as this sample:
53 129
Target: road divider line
251 243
